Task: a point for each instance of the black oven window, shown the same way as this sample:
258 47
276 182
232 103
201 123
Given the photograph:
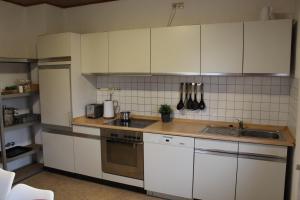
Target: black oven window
122 153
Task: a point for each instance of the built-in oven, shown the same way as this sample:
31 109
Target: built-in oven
122 153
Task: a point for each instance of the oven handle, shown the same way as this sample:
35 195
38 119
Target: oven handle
121 141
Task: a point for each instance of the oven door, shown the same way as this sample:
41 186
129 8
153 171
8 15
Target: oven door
123 158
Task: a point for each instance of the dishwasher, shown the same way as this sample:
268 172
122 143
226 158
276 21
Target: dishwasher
168 162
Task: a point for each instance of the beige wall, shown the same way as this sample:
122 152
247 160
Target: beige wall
126 14
19 27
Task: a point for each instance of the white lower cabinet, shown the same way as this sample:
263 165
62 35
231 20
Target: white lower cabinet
87 157
58 151
215 170
261 174
87 151
169 164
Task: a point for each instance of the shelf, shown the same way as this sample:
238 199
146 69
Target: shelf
18 95
35 149
19 126
27 171
17 60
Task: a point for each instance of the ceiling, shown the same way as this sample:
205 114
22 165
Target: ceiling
58 3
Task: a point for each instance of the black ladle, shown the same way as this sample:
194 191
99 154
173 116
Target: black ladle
202 103
180 105
190 102
195 103
186 95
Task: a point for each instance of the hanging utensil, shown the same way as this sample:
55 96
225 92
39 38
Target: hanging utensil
180 105
190 102
202 103
186 95
195 102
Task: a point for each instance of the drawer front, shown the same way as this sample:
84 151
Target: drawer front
261 149
86 130
186 142
216 145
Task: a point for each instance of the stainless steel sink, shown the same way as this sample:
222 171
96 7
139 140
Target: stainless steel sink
231 131
260 134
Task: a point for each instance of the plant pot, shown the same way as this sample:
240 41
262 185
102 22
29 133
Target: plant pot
166 117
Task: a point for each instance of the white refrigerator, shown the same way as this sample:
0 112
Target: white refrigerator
55 95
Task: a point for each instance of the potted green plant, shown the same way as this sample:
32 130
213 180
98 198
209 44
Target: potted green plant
165 111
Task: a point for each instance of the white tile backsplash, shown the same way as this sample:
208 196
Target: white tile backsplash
262 100
293 105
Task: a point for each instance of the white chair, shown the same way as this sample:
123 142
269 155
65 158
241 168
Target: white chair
6 181
25 192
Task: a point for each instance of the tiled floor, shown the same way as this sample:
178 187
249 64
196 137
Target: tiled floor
66 188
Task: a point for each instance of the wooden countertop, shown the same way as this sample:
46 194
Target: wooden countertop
193 128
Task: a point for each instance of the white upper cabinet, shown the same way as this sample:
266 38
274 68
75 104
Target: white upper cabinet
175 50
94 53
129 51
267 46
54 45
222 48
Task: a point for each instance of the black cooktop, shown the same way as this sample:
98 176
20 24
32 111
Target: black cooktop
134 123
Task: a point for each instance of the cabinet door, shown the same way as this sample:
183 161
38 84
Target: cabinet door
58 151
94 53
55 96
129 51
211 171
267 46
260 179
175 50
222 48
88 157
169 164
54 45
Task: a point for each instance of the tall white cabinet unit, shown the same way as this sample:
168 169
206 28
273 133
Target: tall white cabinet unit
267 46
129 51
64 92
168 164
222 48
63 51
94 53
261 172
175 50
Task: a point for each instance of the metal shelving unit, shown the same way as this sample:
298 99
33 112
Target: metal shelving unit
34 167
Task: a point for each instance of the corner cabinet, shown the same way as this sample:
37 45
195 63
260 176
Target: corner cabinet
222 48
175 50
267 47
129 51
261 172
94 53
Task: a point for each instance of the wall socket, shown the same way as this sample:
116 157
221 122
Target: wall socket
179 5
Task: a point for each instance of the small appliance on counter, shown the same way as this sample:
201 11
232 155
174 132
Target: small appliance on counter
125 116
8 115
109 109
94 111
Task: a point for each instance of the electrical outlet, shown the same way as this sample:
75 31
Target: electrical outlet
179 5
